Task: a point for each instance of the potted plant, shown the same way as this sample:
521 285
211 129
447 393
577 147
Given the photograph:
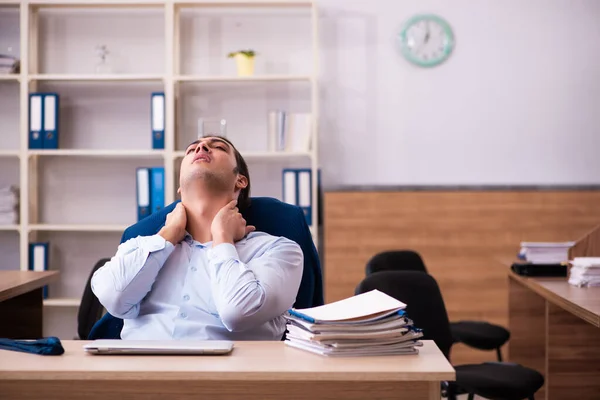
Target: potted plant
244 60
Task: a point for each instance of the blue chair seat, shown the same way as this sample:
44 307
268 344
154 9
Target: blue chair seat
268 215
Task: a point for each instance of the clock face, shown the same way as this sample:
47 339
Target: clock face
426 40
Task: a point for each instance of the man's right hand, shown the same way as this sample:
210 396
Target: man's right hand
174 229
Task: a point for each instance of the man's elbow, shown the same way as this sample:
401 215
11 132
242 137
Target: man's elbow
113 301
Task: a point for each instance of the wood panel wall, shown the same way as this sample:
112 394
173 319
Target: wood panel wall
462 236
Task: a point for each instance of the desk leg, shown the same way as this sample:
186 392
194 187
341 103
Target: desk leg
21 316
573 356
527 324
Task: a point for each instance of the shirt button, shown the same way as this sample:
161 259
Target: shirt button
186 297
183 315
194 269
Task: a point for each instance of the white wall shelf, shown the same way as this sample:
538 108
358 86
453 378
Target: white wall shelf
10 78
9 228
97 153
76 228
97 77
9 153
62 302
97 3
243 3
256 78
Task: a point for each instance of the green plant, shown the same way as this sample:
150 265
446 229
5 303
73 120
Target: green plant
247 53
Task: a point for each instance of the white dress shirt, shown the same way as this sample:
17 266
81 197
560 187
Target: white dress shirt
195 291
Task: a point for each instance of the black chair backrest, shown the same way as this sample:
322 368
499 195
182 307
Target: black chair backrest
425 305
90 309
396 260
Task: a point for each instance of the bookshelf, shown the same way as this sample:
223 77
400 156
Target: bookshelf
171 49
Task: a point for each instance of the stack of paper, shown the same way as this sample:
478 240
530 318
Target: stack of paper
545 252
368 324
585 271
9 204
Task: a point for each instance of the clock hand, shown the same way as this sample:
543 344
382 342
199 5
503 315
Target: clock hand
427 35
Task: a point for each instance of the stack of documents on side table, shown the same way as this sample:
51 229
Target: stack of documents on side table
368 324
545 252
585 271
9 205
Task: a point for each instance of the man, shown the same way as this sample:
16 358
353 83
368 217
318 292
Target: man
205 275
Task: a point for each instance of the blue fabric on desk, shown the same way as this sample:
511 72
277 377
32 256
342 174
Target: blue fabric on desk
49 346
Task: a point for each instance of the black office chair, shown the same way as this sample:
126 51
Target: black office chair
425 306
477 334
90 309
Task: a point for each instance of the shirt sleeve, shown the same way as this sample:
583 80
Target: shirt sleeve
124 281
249 294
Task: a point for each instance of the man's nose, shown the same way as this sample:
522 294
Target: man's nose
203 147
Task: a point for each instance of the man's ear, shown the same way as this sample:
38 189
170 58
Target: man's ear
179 191
241 183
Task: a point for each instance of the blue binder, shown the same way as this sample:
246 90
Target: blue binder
143 192
157 110
50 118
297 189
38 260
157 187
36 114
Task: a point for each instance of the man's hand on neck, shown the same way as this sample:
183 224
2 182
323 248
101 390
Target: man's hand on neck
174 229
229 226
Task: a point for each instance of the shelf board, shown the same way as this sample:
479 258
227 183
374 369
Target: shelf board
10 77
243 3
96 153
264 155
97 77
9 227
62 302
255 78
96 3
77 228
9 153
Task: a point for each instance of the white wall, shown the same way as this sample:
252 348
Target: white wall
517 103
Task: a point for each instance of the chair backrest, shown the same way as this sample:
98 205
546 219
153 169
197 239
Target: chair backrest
395 260
268 215
425 305
90 309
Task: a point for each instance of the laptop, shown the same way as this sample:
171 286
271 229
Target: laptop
178 347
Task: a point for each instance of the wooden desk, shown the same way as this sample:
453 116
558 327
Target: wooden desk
21 303
255 370
555 328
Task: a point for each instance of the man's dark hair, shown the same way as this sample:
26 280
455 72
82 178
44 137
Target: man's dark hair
242 169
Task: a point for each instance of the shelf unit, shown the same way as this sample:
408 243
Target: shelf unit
170 80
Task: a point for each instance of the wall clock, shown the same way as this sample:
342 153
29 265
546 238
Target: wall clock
426 40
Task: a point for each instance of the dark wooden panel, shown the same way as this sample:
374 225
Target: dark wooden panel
460 234
21 316
573 356
528 324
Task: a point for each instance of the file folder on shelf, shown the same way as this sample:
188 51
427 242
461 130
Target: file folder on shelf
157 185
297 190
50 128
36 140
143 192
158 120
38 259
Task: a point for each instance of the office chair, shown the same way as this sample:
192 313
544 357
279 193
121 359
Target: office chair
267 215
90 309
477 334
425 306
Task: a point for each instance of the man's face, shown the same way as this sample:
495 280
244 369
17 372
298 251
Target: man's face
211 159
